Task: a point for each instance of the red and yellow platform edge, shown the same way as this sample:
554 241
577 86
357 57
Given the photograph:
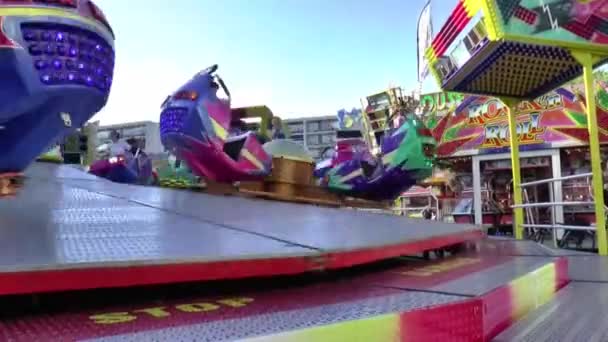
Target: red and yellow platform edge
476 319
133 274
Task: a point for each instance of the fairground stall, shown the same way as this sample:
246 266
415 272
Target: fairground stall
472 132
520 51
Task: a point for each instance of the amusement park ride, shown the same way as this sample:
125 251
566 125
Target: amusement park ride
84 258
201 128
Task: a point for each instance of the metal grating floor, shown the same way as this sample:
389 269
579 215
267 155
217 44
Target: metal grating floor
66 227
77 222
579 312
255 310
89 222
276 322
328 229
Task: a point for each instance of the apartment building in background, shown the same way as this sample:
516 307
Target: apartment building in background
146 131
315 133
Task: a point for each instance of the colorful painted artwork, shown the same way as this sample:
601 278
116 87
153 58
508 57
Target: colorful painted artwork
517 48
479 124
574 21
437 105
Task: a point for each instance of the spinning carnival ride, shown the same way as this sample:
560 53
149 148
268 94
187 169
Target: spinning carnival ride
87 235
406 157
202 129
127 168
57 64
197 126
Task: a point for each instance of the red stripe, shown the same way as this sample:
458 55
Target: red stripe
498 315
461 321
448 23
442 38
456 29
124 276
440 128
362 256
5 42
77 326
500 305
561 273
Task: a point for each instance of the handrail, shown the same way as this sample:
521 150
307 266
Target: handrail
558 179
551 204
555 226
414 208
559 226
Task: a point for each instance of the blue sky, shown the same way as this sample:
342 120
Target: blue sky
299 57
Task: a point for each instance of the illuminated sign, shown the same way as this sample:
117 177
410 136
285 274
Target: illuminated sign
528 132
492 115
479 124
161 312
440 102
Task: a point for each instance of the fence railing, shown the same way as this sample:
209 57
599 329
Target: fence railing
554 226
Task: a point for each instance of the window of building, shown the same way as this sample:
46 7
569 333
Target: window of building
296 127
328 125
327 139
103 135
297 137
315 152
313 139
313 126
133 131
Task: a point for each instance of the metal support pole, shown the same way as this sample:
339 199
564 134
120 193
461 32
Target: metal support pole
553 221
586 60
90 129
518 213
477 198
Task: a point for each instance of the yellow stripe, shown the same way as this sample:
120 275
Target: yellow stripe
491 20
431 55
247 155
219 130
471 7
54 12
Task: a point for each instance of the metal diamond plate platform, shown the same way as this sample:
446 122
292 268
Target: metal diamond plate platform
67 230
472 274
501 246
588 268
579 312
360 303
302 224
